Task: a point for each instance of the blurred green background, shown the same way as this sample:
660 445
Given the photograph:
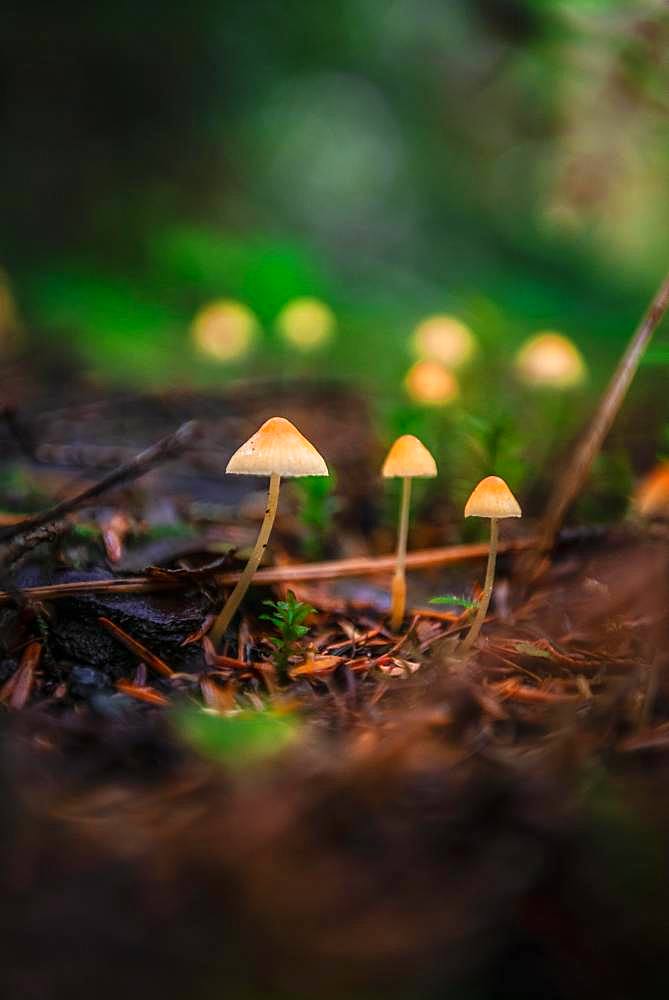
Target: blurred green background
502 161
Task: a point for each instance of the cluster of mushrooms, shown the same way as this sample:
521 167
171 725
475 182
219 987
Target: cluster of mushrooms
279 450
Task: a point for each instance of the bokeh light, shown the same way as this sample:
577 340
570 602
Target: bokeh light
552 361
445 339
224 330
431 384
306 323
652 495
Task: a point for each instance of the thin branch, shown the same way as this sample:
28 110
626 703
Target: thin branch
333 570
569 485
167 448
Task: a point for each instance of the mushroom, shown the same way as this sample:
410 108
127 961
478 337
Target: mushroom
277 449
407 458
550 361
492 498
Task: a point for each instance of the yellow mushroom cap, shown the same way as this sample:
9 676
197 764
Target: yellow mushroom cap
445 339
551 360
277 448
652 496
431 384
409 457
492 498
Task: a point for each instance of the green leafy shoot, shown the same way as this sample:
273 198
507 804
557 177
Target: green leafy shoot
288 619
453 601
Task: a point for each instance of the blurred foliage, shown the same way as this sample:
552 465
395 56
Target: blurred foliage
503 161
236 739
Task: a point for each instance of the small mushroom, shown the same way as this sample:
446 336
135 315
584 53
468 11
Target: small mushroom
492 498
277 449
408 458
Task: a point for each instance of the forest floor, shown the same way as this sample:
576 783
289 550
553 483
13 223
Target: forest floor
372 817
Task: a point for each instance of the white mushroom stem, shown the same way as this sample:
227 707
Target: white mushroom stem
484 603
235 599
399 585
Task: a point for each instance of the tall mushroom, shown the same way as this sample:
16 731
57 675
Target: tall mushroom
277 449
407 458
492 498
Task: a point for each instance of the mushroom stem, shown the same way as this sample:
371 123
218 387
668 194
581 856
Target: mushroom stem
234 600
399 584
484 603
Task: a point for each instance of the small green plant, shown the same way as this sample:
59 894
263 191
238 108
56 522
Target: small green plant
453 601
288 619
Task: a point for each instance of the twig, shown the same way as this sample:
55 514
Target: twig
167 448
569 485
333 570
140 651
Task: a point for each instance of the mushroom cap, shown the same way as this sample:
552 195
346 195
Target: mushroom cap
652 496
277 448
492 498
409 457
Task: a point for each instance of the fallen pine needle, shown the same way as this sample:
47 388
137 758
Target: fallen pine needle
137 648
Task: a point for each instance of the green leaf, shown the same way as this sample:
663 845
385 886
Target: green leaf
453 601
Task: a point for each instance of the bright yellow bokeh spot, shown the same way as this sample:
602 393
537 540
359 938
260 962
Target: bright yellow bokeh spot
306 323
431 384
444 339
224 330
549 360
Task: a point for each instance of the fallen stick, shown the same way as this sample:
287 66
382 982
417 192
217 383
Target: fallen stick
333 570
167 448
569 485
25 534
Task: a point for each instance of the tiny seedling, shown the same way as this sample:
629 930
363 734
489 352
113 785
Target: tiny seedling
453 601
288 619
